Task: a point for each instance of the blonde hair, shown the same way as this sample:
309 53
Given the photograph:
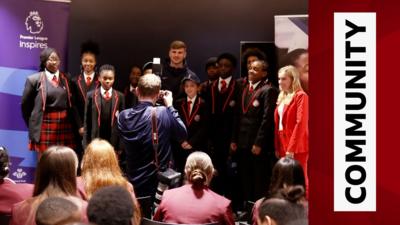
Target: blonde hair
293 74
149 85
100 167
177 44
199 169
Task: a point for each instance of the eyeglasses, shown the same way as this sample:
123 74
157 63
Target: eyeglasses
53 59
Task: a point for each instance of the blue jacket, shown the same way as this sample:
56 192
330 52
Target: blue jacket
135 128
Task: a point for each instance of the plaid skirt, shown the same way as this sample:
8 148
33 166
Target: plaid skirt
56 130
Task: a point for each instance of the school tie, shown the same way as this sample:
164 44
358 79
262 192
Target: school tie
88 81
251 89
223 86
54 80
189 105
107 95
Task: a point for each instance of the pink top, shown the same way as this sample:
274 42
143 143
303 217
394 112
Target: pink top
11 193
194 206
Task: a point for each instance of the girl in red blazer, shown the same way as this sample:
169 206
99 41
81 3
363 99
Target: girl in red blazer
291 118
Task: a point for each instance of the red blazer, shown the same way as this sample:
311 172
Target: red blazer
295 125
24 213
185 205
11 193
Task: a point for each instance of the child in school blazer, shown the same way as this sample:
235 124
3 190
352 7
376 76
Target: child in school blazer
102 108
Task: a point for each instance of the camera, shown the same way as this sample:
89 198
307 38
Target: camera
157 67
169 177
166 179
161 94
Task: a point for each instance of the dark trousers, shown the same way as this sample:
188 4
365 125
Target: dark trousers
226 182
255 174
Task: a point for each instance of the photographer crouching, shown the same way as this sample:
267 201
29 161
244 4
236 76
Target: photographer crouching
147 130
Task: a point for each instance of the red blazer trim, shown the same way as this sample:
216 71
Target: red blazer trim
43 91
115 95
67 86
80 85
232 88
196 107
245 108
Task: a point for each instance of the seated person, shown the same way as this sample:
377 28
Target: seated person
195 203
111 205
286 208
55 177
57 211
10 192
100 169
286 172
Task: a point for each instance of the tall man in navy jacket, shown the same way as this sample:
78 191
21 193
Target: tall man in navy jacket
135 126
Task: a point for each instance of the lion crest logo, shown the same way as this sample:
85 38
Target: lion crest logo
20 173
34 23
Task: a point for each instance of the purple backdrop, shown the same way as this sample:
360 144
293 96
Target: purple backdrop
27 27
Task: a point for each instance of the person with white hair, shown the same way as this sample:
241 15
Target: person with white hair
194 202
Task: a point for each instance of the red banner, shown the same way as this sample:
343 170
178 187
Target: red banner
324 146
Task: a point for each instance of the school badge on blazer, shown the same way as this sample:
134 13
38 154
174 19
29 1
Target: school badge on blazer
256 103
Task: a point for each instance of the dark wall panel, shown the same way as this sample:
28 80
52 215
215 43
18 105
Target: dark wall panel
132 32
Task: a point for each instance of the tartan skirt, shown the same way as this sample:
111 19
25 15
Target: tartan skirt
56 130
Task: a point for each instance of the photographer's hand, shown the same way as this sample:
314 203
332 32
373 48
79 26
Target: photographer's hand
168 98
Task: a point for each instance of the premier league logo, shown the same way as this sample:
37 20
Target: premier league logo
34 23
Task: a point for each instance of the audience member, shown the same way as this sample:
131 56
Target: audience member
111 205
291 118
10 192
55 177
287 208
286 172
145 157
57 211
48 106
253 137
195 203
100 169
